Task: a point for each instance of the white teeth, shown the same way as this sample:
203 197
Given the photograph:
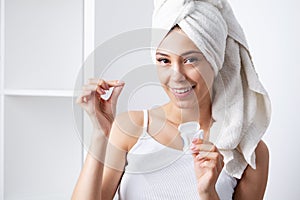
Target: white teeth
184 90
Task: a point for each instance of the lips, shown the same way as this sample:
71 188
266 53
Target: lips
182 91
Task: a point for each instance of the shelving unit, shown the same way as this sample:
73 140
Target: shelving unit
42 48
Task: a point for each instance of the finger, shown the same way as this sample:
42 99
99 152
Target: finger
201 141
197 141
83 97
94 88
214 157
98 82
98 95
100 91
115 83
108 84
212 165
115 94
194 148
208 155
90 87
103 84
86 98
209 164
204 147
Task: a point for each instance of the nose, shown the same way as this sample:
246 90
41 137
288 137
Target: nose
178 72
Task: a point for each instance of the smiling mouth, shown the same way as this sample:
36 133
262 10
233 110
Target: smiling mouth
182 92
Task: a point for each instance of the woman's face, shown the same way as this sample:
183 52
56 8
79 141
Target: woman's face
184 73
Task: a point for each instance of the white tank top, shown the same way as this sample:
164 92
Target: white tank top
157 172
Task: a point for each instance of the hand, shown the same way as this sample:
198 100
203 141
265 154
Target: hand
101 112
208 163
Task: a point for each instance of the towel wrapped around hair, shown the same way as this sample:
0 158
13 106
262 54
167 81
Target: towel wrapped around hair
240 102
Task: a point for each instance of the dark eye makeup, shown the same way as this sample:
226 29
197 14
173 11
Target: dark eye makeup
191 60
163 60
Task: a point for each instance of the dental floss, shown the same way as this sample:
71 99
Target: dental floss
189 131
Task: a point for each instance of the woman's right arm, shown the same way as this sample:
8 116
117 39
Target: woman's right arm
101 113
90 180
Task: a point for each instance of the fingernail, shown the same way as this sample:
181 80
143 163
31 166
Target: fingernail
193 147
198 156
194 140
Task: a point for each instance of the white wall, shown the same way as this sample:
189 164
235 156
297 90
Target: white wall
272 29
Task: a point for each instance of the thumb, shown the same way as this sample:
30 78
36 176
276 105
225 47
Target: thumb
116 92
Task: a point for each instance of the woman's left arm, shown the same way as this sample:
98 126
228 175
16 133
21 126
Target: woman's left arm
253 183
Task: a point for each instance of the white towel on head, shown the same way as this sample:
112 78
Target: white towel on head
240 102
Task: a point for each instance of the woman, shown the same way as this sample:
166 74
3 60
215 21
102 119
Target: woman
205 68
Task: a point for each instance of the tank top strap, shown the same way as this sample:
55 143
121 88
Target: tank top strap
145 124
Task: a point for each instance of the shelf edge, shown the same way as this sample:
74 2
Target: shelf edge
39 93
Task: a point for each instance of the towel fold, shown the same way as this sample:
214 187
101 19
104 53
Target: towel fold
240 103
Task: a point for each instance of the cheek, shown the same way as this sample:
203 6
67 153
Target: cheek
206 75
163 75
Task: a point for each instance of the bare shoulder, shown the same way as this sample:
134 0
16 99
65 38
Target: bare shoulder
126 129
130 118
253 183
262 159
262 152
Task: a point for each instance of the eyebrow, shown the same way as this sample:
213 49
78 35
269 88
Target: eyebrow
190 52
183 54
162 54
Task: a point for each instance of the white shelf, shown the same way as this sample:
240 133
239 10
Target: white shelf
36 93
40 93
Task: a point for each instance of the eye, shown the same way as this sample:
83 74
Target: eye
191 60
163 60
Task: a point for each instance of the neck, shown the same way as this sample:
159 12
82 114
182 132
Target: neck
200 113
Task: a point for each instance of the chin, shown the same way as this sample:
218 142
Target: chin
186 104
